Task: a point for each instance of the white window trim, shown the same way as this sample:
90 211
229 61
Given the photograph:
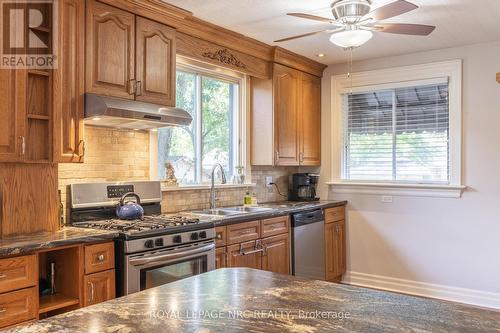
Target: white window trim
243 119
452 70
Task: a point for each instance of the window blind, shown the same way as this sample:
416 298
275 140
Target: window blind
397 135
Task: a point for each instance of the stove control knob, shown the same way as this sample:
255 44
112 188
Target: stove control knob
149 244
177 239
203 234
159 242
194 236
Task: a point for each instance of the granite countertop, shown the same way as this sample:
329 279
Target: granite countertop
247 300
278 209
25 244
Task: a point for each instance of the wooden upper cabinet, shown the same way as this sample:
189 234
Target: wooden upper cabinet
286 110
69 84
12 113
110 53
155 62
286 140
310 120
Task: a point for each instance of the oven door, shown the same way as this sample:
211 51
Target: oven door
153 269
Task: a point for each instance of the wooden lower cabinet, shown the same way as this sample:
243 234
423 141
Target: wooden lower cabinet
18 306
244 255
335 250
99 287
18 272
276 255
220 257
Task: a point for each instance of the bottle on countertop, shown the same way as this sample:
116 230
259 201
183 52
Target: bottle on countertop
253 199
247 200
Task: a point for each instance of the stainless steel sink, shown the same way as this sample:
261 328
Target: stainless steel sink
231 211
247 209
217 212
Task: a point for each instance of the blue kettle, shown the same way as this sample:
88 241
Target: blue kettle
129 210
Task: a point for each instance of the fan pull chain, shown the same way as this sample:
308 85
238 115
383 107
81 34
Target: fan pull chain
349 73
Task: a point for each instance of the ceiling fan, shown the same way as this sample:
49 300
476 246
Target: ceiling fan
353 23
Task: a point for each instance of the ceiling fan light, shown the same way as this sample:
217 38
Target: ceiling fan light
351 38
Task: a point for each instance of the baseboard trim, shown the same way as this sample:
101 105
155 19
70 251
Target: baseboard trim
461 295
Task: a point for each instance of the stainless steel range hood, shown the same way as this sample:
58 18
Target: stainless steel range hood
122 113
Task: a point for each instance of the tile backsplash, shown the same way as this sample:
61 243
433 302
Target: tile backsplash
117 155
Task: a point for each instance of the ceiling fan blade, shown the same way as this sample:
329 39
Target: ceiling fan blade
405 29
300 36
312 17
393 9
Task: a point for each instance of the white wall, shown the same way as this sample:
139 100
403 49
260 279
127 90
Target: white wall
438 247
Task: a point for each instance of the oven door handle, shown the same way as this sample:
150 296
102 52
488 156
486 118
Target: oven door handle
171 256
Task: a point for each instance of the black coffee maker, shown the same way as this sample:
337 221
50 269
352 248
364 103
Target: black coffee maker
302 187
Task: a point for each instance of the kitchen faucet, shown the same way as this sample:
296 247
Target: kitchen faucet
213 196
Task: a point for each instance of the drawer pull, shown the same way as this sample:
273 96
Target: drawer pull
100 258
2 276
219 236
3 310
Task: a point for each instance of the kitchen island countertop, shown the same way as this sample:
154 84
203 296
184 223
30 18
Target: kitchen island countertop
247 300
25 244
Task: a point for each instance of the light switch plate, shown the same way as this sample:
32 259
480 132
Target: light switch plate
269 180
387 198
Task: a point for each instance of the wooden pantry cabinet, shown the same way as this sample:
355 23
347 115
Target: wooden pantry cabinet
85 275
286 110
128 56
261 244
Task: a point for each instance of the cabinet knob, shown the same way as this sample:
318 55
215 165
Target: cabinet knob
2 276
100 257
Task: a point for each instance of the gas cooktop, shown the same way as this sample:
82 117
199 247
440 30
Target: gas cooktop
148 225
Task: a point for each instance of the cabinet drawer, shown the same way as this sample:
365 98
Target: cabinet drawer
275 226
99 257
334 214
242 232
18 273
18 306
220 236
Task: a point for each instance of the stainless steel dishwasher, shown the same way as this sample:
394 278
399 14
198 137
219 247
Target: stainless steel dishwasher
308 245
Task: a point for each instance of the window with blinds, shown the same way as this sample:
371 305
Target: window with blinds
397 135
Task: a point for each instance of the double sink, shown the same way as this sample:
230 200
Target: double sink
232 211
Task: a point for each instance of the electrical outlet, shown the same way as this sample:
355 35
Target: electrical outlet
269 180
387 198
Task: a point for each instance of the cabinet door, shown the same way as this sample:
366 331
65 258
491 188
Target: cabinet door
286 140
69 83
12 113
110 51
155 62
335 250
220 257
99 287
310 120
244 256
276 257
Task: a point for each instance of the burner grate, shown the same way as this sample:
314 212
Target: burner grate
153 222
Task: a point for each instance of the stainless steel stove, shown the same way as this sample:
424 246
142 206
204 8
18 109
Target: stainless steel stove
151 251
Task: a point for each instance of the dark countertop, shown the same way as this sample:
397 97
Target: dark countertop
247 300
16 245
278 209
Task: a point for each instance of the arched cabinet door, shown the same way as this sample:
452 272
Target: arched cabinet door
110 51
155 62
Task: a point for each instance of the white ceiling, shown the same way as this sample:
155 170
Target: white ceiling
459 22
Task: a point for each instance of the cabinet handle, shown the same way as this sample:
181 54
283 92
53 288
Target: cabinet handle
81 144
100 258
23 145
131 86
301 157
138 88
277 156
2 276
218 236
91 293
2 310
